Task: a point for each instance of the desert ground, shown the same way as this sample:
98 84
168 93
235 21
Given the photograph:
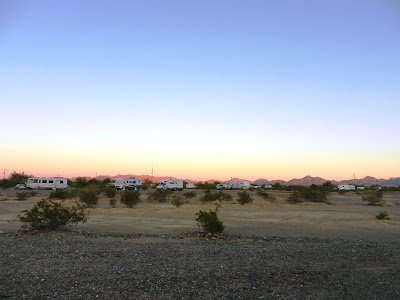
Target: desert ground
154 250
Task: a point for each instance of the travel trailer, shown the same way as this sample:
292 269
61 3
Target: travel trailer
238 184
170 184
47 183
346 187
128 183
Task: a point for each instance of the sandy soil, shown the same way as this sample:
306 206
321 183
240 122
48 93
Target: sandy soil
347 217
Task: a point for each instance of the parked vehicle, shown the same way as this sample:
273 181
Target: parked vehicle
346 187
170 184
221 186
128 183
20 186
238 184
133 184
47 183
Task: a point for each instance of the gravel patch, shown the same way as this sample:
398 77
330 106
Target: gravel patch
73 265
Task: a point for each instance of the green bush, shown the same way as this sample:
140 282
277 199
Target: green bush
244 198
110 191
383 215
130 198
177 201
209 221
189 195
374 198
47 214
89 198
159 195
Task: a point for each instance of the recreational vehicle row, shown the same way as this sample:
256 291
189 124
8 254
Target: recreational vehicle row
128 183
170 184
234 184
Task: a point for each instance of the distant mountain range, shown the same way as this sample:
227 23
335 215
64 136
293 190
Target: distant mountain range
305 181
309 180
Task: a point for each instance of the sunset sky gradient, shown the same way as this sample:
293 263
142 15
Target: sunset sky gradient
201 89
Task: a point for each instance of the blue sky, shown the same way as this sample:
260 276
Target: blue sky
246 88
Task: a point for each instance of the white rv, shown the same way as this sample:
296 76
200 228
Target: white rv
47 183
346 187
128 183
238 184
170 184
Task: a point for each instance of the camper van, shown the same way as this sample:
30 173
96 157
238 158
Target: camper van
128 183
170 184
47 183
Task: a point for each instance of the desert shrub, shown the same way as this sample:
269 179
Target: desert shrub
383 215
89 198
374 198
310 194
263 195
110 191
59 194
130 198
220 195
159 195
189 195
22 196
47 214
113 202
177 200
209 221
33 193
244 198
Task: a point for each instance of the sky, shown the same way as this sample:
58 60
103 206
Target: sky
204 89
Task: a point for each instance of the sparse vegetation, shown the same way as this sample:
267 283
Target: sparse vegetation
374 198
159 195
263 194
383 215
177 200
189 195
59 194
14 179
113 202
47 214
210 221
220 196
130 198
22 196
89 198
313 193
110 191
244 198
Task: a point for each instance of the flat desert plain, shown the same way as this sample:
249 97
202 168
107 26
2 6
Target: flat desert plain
153 251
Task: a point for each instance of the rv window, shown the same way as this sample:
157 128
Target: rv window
50 181
35 181
44 181
61 181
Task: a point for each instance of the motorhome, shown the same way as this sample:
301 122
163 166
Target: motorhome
346 187
47 183
238 184
128 183
170 184
133 184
